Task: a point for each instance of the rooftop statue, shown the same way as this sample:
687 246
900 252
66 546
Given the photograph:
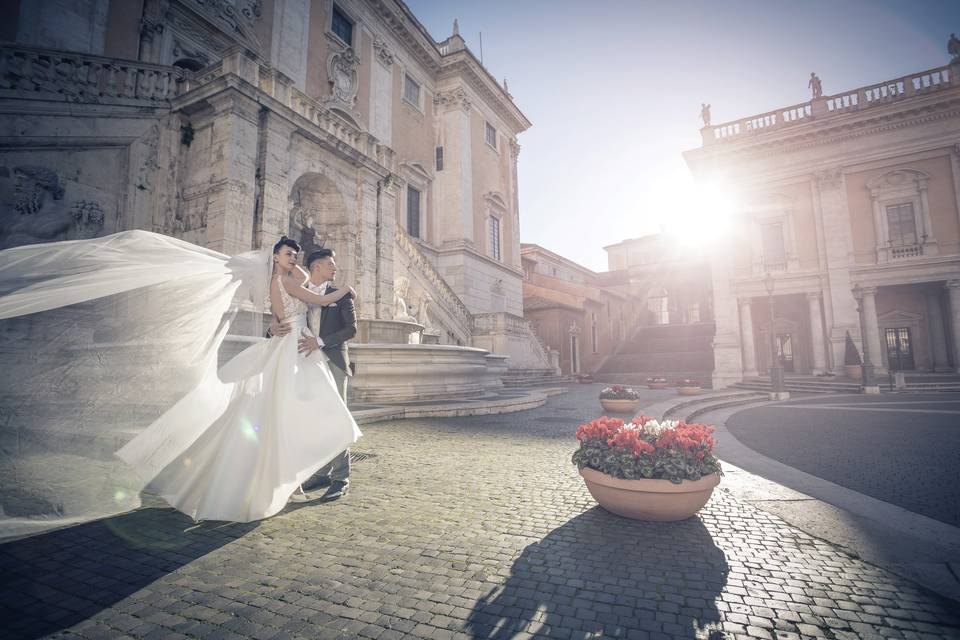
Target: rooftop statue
815 87
953 48
705 113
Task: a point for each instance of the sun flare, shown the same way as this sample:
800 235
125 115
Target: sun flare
700 214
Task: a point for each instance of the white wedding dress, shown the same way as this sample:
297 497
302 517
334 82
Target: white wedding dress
275 420
111 345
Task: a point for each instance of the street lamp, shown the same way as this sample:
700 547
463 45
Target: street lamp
866 369
776 369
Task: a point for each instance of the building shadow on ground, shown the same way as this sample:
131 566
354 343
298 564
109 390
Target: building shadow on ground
603 575
53 581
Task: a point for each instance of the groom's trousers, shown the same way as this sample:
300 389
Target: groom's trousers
339 467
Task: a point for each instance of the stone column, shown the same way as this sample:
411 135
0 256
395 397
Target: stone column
747 345
938 342
953 289
455 183
816 334
273 215
872 328
830 204
230 211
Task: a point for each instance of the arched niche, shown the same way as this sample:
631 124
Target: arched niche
318 213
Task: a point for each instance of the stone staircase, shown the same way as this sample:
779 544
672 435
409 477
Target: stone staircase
526 378
671 351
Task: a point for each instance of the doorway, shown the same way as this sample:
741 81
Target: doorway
785 351
899 349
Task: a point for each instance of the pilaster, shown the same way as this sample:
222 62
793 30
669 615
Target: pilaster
953 290
816 334
747 342
938 342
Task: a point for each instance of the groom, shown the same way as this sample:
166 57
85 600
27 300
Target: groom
332 326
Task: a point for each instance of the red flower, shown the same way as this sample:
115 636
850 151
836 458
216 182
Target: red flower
599 429
630 440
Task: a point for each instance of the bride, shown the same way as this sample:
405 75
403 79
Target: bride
232 443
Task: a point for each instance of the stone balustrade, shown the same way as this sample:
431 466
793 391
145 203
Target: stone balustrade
281 88
50 74
907 87
443 295
503 332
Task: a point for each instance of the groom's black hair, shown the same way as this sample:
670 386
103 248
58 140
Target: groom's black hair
319 254
286 242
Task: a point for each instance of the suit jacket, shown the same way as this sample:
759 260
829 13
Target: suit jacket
338 323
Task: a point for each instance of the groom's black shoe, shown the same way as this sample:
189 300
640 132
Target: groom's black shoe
317 482
338 489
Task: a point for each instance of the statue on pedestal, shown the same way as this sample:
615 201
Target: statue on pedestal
705 114
953 48
400 309
815 86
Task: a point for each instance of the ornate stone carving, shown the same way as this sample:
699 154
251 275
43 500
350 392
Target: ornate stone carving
514 149
235 23
829 178
251 9
34 210
451 99
383 52
816 87
87 213
401 311
344 79
180 50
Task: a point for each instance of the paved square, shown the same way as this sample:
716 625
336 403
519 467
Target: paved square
458 528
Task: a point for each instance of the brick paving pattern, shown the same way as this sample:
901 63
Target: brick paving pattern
458 528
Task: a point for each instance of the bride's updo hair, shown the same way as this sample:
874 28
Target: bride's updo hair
284 241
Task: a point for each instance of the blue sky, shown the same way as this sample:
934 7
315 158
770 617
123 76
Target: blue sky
614 89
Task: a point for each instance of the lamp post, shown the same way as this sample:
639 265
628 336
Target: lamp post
866 368
776 369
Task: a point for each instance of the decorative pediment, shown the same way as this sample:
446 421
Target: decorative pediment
416 170
899 180
765 204
495 200
224 15
899 317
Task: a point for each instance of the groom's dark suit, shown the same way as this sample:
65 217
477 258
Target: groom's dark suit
338 323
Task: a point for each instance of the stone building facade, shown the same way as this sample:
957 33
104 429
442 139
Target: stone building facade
572 312
230 122
851 196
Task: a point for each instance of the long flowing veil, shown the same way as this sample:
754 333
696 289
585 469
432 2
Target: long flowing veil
98 338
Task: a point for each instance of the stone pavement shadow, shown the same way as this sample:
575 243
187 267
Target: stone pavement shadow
600 574
53 581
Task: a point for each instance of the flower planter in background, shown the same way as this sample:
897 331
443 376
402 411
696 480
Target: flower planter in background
688 391
620 406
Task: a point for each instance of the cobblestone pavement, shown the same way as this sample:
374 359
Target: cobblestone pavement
458 528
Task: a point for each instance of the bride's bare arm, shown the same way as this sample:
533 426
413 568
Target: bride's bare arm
302 293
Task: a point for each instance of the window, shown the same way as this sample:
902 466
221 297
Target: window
490 135
774 253
902 224
439 158
494 237
342 26
411 91
413 212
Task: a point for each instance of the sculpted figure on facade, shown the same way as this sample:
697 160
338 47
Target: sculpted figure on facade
401 311
383 52
456 98
34 210
953 48
816 88
705 113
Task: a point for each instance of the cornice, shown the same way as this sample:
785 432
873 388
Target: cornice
462 64
818 133
416 39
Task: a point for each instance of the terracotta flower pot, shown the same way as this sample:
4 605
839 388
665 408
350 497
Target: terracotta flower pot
620 406
688 391
656 385
654 500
